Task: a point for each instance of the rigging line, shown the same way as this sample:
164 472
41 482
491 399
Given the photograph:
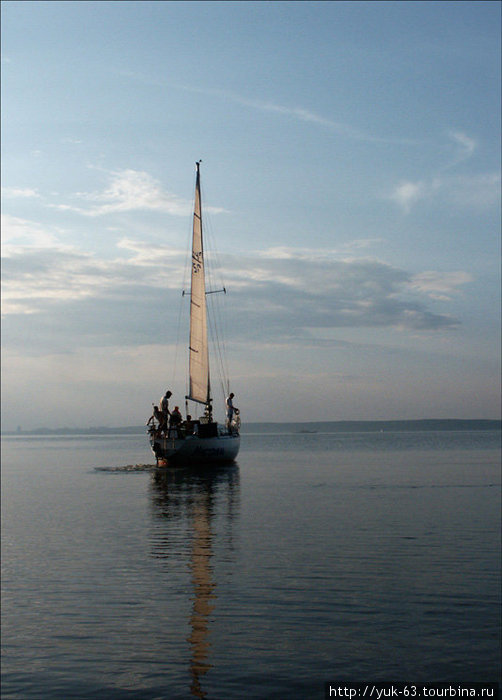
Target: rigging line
222 341
213 332
224 326
213 266
221 312
216 264
219 345
216 340
177 347
217 328
222 335
210 238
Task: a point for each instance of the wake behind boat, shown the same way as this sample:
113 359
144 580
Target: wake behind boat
201 441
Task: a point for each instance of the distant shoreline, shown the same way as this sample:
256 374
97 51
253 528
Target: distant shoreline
306 426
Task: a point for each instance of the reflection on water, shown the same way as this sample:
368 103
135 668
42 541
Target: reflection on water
190 505
203 595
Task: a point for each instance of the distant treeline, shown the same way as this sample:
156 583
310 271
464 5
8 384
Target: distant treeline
309 427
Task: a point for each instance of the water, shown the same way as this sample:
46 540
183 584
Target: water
318 557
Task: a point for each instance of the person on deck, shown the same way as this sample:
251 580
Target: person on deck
164 411
175 420
157 414
189 425
231 409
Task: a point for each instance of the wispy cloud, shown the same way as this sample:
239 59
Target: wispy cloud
476 190
127 190
33 278
407 193
131 190
71 140
19 193
41 275
465 147
296 112
311 117
439 285
302 290
21 234
360 243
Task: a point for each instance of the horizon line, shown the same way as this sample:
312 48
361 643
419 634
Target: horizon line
108 429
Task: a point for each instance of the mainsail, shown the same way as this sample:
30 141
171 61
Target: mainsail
199 389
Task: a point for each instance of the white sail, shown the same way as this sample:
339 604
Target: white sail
198 350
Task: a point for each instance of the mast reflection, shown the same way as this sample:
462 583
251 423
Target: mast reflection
199 500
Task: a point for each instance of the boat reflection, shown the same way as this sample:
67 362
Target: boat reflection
196 504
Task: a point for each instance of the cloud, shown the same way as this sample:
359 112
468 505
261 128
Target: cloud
289 293
75 298
406 194
40 272
310 117
17 192
46 278
144 254
477 191
130 190
298 113
127 190
439 285
464 145
32 278
359 243
20 233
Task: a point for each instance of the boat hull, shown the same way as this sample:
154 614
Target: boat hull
193 449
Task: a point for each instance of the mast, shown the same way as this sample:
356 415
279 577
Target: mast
199 385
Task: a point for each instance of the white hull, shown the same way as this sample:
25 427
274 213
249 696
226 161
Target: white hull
195 450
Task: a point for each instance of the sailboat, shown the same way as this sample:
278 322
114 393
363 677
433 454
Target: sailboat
200 441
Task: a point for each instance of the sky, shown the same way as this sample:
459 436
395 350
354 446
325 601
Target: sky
351 187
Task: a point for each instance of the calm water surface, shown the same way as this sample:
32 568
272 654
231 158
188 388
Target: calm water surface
317 557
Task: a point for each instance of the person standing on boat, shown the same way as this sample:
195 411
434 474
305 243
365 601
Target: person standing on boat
231 409
164 410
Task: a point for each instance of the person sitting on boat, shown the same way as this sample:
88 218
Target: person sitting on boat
164 411
175 420
231 409
189 425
